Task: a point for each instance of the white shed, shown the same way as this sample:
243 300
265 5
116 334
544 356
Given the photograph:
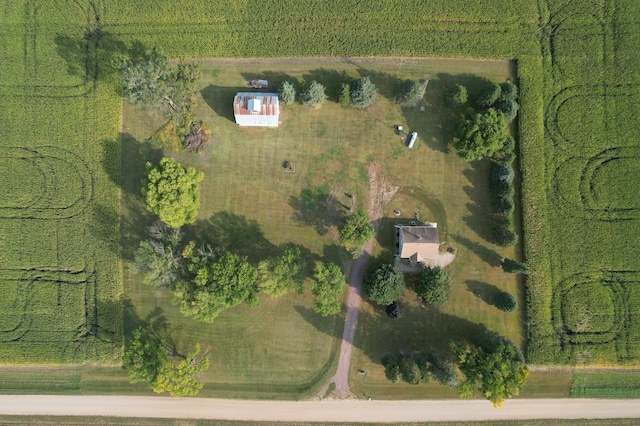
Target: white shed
256 109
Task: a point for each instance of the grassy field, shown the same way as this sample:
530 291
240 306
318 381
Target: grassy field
61 290
606 384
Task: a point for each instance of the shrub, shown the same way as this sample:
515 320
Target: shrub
489 95
394 310
508 91
313 94
457 96
434 286
409 94
506 302
502 173
502 206
391 368
344 95
384 285
363 92
410 371
287 93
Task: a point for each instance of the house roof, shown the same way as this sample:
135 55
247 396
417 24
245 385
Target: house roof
248 103
419 242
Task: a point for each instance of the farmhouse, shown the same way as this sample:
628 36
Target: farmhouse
256 109
417 242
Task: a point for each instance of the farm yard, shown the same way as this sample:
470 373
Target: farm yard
71 215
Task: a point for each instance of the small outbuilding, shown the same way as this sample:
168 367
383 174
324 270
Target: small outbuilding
417 242
256 109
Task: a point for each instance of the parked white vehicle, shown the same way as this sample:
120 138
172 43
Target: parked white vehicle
412 139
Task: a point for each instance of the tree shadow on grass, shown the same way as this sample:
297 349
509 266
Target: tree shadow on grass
479 219
317 208
234 233
484 253
387 84
154 323
322 324
220 99
484 291
132 157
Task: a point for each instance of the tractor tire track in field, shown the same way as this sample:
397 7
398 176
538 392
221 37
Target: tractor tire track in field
380 192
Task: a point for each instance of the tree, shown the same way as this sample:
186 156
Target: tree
391 365
143 357
502 174
287 93
512 266
497 370
146 359
410 371
502 188
489 95
384 285
508 91
181 380
502 206
147 82
442 370
313 94
506 302
505 155
504 236
434 286
363 92
327 288
159 257
409 93
283 273
481 135
356 231
509 110
344 95
171 191
457 95
394 310
222 283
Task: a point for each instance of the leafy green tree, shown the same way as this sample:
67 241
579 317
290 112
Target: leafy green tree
512 266
384 285
410 371
356 231
223 283
497 370
283 273
489 95
434 286
146 359
409 93
481 135
344 95
363 92
181 380
506 302
508 91
313 94
328 288
391 365
442 370
287 93
457 96
505 155
171 191
143 357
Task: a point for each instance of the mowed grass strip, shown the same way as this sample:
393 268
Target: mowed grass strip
606 384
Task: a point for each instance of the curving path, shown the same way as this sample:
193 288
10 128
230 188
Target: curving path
338 411
380 192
